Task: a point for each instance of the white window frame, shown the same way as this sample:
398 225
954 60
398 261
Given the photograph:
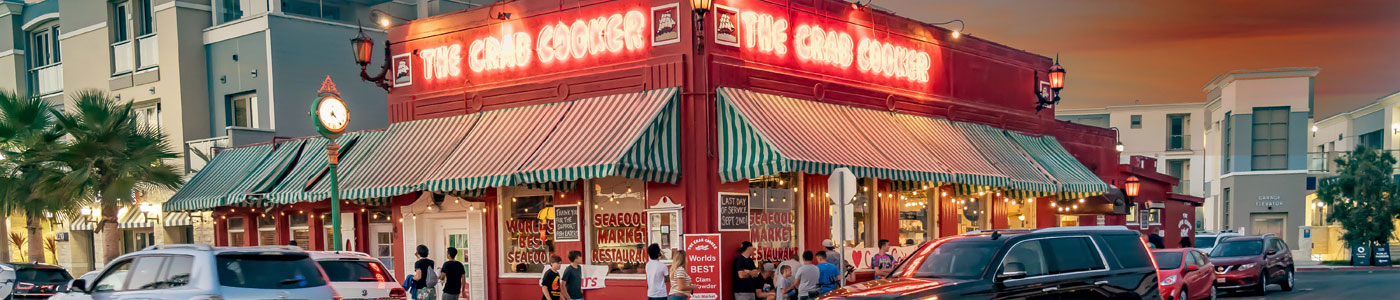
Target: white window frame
252 98
242 230
146 112
503 194
587 213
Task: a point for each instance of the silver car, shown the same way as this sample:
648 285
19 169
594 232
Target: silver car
200 272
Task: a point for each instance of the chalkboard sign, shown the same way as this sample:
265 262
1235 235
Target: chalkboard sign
733 212
566 225
1381 254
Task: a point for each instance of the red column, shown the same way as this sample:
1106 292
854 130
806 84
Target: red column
816 210
220 228
315 230
888 207
250 228
284 230
395 215
947 214
998 214
1045 216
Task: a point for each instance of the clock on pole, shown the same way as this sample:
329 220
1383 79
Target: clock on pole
330 115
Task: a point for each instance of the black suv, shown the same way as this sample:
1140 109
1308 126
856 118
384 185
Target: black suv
31 281
1091 262
1251 263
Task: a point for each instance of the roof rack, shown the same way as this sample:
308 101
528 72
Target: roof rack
1083 228
355 253
200 247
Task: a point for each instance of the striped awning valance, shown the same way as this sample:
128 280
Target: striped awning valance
133 218
81 223
308 180
404 156
211 184
1008 157
762 134
495 150
265 175
946 142
1076 181
635 135
178 218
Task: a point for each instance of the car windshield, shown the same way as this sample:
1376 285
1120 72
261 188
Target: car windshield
1167 260
962 258
270 270
1240 248
354 271
42 276
1205 241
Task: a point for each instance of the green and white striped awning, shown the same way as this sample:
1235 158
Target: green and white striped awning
81 223
763 134
493 151
266 175
308 181
408 153
178 218
1076 181
1025 173
635 135
212 183
971 171
133 218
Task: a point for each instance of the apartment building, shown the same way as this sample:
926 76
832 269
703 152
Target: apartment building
1244 149
208 73
1375 125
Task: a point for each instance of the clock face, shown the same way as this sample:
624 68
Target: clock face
333 114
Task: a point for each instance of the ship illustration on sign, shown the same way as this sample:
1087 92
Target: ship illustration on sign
726 28
664 24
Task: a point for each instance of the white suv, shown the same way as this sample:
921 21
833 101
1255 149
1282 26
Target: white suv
356 275
190 272
1205 241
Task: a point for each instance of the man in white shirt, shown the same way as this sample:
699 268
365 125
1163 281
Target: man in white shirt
656 274
807 278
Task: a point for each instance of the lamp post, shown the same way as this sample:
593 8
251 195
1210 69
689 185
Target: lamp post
700 7
331 116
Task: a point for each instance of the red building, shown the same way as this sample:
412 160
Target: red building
533 128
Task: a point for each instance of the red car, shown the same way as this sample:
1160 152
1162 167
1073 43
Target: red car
1186 274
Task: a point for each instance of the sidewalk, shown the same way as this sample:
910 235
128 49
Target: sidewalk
1311 265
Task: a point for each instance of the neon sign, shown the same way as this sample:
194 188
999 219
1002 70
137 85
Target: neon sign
769 34
823 46
555 42
611 34
816 45
509 51
441 61
889 60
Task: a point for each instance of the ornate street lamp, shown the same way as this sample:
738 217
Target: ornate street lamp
700 7
1131 187
1056 76
363 47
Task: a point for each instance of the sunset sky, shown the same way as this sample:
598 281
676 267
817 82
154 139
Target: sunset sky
1125 52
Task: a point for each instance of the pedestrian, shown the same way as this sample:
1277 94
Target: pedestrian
656 274
1185 242
830 275
549 284
292 243
835 258
744 272
453 276
883 262
573 277
680 277
792 261
808 278
785 284
764 285
426 278
1156 241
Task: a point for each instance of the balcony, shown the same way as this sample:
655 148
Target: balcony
1179 142
199 152
122 57
1182 188
1326 162
149 55
47 79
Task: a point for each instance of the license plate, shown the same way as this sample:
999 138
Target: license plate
1220 280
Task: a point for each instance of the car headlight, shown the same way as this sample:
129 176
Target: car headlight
1245 267
1169 280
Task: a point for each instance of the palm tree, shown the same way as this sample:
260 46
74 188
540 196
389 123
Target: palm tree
29 141
112 157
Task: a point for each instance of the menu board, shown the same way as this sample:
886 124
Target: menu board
566 223
733 212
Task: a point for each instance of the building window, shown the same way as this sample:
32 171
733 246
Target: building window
148 115
145 21
859 213
1178 132
230 10
315 9
1153 216
235 232
618 233
136 239
773 215
1270 139
1136 121
267 230
973 213
242 110
917 208
1371 139
1132 217
1225 208
301 233
1180 168
122 50
529 237
45 71
1229 137
1020 213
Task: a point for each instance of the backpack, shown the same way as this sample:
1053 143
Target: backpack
430 278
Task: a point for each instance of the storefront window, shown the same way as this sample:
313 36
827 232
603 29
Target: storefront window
618 236
267 230
300 232
859 213
1020 214
973 214
916 224
772 213
529 237
235 231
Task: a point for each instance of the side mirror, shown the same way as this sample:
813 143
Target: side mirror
1192 268
79 285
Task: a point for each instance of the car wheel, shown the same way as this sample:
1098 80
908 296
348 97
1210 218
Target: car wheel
1213 293
1263 283
1287 284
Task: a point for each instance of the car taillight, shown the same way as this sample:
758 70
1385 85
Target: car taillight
397 293
207 297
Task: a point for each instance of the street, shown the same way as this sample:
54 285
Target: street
1336 285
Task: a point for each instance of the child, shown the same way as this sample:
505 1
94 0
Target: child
786 288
